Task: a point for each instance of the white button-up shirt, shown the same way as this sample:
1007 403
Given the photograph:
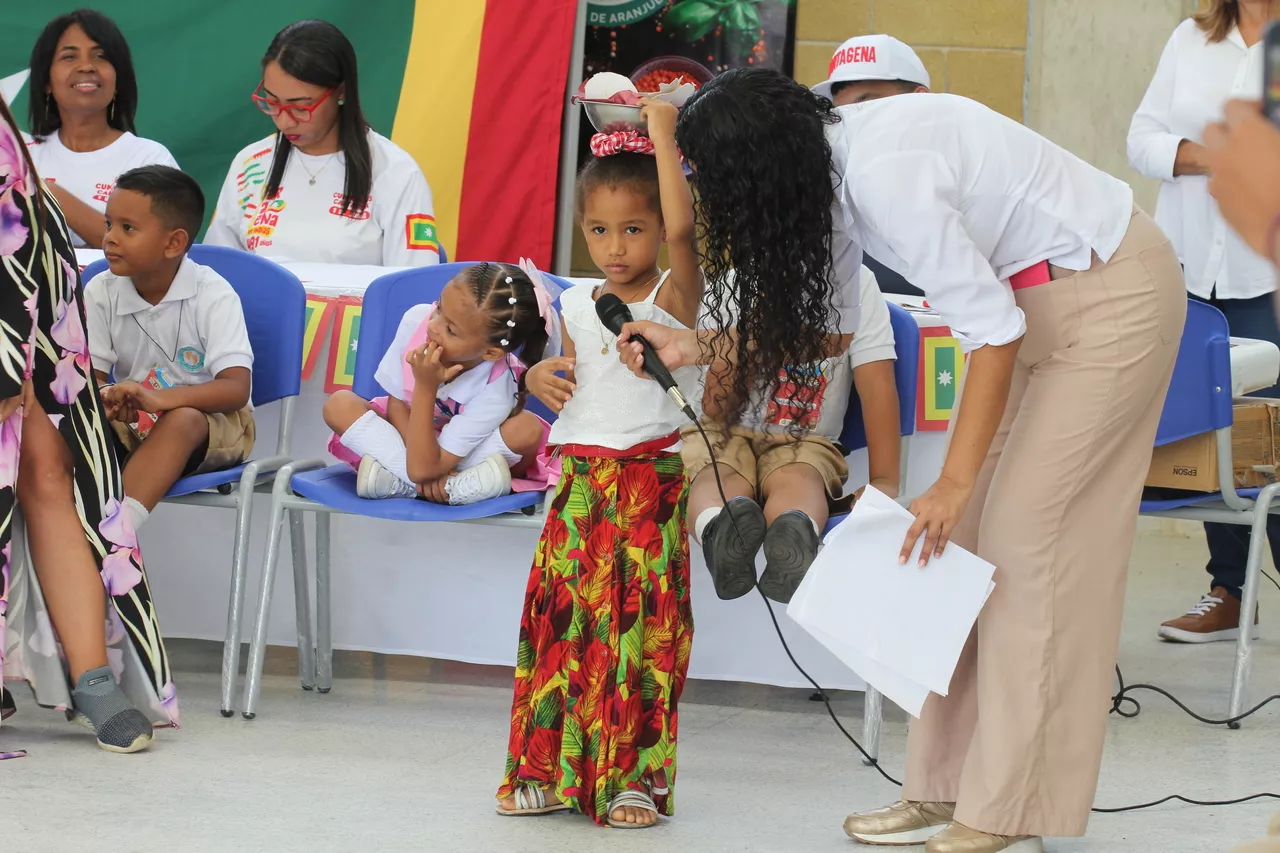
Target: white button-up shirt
957 198
1192 82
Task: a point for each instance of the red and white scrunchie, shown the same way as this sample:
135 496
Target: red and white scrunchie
608 144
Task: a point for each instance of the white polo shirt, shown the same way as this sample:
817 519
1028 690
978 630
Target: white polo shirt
956 198
469 409
91 175
305 222
195 332
1193 81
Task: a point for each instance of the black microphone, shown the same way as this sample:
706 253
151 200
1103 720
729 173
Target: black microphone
614 313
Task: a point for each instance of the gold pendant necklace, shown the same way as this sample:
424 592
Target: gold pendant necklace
604 344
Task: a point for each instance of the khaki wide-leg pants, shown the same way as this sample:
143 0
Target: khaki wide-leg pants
1017 744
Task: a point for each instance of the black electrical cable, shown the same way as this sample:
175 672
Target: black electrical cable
821 693
1117 701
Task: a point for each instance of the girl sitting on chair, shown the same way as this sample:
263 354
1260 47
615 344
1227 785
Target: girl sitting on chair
453 429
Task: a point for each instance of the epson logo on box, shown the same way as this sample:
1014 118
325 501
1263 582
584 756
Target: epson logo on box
1183 471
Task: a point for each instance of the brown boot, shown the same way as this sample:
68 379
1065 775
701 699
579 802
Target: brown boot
1215 618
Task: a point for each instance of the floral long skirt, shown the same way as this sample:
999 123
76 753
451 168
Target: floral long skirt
605 636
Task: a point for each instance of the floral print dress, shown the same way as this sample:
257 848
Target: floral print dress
605 636
42 337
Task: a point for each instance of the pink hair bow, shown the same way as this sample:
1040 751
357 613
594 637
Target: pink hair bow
545 292
607 144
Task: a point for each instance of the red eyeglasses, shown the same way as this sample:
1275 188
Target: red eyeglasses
297 112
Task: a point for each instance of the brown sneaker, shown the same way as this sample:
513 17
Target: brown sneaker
1215 618
900 824
958 838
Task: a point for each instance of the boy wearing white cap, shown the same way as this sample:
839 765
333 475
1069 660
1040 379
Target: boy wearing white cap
870 67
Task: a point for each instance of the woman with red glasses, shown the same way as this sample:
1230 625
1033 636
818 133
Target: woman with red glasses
83 98
325 187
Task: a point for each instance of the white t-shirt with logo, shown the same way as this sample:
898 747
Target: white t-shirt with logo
832 378
91 175
305 222
194 333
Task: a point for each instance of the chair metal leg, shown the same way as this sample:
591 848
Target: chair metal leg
302 601
872 716
324 634
235 603
257 647
1249 601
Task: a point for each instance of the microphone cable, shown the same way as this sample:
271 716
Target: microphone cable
1118 700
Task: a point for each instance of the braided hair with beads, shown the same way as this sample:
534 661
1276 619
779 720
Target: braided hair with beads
505 294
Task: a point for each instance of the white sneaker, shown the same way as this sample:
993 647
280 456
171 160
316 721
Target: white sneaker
490 479
373 482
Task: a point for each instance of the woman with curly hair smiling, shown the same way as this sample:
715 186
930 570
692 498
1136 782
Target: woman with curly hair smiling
1070 303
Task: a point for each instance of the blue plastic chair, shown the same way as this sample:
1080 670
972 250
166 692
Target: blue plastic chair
318 487
274 305
1199 401
906 376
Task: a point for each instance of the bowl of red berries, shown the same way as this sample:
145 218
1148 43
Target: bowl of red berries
668 69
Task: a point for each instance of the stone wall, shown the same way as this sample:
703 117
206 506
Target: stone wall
975 48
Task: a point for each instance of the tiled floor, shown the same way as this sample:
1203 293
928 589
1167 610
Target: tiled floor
404 755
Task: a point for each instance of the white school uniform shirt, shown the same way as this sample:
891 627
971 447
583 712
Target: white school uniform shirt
872 341
305 221
91 175
1193 81
477 407
195 332
956 198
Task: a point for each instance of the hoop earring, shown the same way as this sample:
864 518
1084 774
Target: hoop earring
111 110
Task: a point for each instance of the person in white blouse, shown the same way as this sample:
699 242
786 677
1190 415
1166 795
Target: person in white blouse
324 187
84 95
1213 57
1070 303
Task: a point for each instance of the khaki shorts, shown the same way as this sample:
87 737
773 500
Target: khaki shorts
754 455
230 442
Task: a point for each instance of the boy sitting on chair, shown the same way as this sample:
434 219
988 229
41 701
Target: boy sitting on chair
781 466
173 334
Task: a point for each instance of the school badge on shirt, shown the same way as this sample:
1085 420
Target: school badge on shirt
420 232
190 359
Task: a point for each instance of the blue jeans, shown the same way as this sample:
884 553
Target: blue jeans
1229 543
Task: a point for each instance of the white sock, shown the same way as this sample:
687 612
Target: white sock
137 512
372 436
704 518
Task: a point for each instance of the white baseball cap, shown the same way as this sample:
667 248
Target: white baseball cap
877 57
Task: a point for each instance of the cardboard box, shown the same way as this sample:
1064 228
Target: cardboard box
1192 463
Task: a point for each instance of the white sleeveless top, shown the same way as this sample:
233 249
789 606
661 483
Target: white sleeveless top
612 407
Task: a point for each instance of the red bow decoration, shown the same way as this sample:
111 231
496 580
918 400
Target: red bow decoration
607 144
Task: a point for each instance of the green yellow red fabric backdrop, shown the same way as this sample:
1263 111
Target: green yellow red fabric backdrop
473 89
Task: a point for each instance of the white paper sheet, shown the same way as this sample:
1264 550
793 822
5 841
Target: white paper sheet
902 628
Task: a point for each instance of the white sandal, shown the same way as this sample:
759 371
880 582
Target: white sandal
635 800
530 801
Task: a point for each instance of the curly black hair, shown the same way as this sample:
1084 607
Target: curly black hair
765 187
